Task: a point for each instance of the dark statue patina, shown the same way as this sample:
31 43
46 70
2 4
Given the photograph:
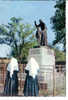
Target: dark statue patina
41 33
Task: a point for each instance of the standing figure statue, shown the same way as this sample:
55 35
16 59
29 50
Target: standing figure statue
41 35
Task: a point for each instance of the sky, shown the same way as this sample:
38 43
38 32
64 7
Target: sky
29 11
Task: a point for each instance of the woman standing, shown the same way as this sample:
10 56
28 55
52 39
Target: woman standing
31 87
11 82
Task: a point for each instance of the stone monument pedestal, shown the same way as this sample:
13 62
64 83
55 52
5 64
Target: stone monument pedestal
46 60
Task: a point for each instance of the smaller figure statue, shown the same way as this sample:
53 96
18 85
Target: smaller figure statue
11 82
41 35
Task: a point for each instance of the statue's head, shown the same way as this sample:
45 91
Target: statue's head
40 21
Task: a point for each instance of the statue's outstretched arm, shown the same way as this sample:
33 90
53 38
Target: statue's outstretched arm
36 24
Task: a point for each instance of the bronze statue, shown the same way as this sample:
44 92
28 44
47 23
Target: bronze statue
41 35
38 35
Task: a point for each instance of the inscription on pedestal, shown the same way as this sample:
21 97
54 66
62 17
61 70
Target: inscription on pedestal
32 52
43 56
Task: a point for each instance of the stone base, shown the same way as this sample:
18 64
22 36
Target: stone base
46 60
43 55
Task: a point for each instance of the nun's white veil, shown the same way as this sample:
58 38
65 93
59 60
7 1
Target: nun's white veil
32 67
12 66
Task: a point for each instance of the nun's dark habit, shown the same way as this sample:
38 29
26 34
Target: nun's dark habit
31 87
11 82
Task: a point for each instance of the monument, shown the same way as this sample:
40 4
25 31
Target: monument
46 60
41 33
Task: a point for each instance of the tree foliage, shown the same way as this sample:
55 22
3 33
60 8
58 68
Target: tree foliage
19 36
59 55
58 23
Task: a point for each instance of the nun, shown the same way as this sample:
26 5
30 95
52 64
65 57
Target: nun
31 87
11 82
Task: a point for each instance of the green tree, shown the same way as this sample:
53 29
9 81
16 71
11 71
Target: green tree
24 40
21 37
3 34
59 55
58 23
